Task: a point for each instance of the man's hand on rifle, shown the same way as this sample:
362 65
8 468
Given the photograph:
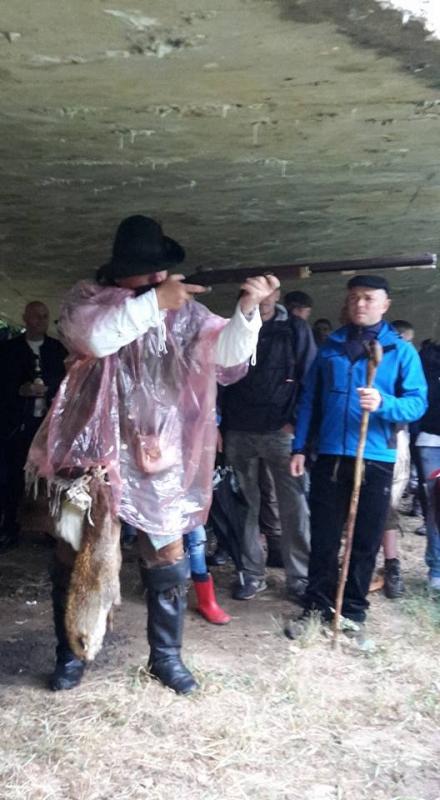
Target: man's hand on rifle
255 290
172 294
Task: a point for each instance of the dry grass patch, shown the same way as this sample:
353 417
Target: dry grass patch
274 720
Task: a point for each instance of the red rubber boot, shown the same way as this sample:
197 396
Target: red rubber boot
207 604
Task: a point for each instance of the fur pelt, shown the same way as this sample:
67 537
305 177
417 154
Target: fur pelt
94 587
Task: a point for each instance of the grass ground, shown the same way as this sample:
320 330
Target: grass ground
274 720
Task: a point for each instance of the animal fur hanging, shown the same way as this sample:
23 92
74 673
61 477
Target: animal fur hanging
94 587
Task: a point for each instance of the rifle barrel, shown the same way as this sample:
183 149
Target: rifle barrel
211 277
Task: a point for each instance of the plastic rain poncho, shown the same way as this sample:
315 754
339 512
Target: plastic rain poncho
148 417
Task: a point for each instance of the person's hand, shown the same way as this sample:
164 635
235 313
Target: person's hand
29 389
172 294
297 465
256 290
370 399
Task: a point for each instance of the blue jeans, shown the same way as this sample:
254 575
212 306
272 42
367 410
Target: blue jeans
430 461
194 544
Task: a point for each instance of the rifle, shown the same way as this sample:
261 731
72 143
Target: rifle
303 269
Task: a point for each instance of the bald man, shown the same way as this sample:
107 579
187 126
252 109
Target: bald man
32 368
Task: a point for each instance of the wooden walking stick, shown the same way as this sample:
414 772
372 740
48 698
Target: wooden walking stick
374 359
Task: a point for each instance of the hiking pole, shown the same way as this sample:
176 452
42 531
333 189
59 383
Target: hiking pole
374 359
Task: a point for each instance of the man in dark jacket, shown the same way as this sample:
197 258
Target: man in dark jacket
32 366
298 304
333 401
258 418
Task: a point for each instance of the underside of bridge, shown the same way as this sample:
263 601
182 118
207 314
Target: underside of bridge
257 131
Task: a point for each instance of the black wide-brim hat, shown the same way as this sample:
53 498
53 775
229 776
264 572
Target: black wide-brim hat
140 247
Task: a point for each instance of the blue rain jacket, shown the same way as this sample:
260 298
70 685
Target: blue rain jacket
329 411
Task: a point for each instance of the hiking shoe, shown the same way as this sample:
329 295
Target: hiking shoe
356 634
421 531
393 583
249 588
434 584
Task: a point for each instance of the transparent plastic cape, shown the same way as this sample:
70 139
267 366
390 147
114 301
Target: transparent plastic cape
149 419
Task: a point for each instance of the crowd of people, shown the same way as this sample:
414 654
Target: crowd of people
149 374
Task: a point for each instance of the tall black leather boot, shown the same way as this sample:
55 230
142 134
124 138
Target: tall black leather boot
166 603
68 669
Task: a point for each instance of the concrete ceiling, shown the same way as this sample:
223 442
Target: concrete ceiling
258 131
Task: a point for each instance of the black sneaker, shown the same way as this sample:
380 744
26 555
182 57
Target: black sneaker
249 588
218 558
393 583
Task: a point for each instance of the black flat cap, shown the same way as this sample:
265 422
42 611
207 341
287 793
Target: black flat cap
370 282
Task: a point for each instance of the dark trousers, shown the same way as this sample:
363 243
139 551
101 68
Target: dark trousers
244 452
269 519
16 449
421 492
330 492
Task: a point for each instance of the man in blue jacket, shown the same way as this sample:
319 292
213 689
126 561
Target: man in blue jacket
331 408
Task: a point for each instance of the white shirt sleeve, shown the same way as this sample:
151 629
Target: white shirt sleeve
237 341
124 324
